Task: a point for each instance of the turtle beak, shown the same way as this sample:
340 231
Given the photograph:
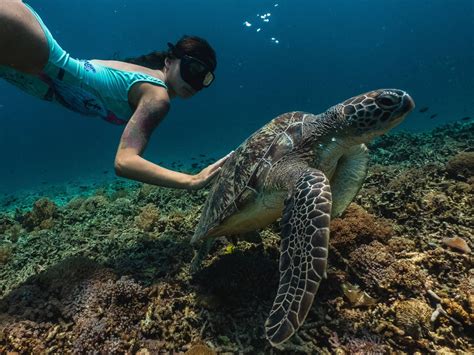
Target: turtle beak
408 103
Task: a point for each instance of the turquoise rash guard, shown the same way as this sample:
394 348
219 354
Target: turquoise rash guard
80 85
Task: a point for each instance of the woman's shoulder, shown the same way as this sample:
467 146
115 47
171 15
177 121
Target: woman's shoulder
153 95
129 67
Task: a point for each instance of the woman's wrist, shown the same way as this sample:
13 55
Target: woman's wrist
192 182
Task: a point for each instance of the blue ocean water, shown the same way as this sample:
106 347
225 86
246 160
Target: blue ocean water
307 55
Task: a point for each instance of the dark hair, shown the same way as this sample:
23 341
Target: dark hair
191 45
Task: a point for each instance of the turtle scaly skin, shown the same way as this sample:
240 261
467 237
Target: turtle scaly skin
305 169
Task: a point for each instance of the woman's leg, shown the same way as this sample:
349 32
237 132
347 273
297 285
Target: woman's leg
23 45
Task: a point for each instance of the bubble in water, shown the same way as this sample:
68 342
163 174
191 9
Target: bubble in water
264 18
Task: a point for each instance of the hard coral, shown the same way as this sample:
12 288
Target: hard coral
405 277
353 344
148 218
379 269
94 203
413 317
370 262
358 227
461 166
106 312
27 336
5 224
41 216
200 349
6 249
401 244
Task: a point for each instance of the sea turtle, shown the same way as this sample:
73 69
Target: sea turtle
305 169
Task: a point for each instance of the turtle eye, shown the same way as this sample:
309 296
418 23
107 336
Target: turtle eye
388 100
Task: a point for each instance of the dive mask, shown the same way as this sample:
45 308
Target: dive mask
193 71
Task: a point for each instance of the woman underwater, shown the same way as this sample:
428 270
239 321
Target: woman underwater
135 93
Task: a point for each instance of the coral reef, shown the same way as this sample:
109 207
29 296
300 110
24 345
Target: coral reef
107 269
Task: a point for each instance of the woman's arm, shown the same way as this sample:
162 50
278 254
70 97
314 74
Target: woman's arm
150 110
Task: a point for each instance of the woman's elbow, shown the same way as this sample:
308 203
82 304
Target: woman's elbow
121 166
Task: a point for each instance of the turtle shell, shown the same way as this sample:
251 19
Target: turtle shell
243 174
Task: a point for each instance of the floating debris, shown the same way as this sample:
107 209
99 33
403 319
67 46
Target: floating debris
423 109
356 297
247 24
457 243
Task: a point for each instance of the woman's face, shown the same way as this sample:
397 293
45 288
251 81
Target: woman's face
175 81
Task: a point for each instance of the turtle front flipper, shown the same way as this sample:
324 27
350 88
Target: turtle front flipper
348 178
304 252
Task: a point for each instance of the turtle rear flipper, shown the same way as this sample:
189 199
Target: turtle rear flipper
304 251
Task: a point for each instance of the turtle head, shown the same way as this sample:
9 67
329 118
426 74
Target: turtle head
374 113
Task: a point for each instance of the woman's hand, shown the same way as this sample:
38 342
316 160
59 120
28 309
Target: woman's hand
207 174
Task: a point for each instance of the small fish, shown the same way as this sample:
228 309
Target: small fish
105 172
194 165
467 118
433 116
424 109
202 155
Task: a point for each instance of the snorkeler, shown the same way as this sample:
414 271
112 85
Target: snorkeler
135 93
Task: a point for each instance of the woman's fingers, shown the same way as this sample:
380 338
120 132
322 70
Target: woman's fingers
210 172
221 161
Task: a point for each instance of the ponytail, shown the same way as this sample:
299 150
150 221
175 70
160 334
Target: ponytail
153 60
